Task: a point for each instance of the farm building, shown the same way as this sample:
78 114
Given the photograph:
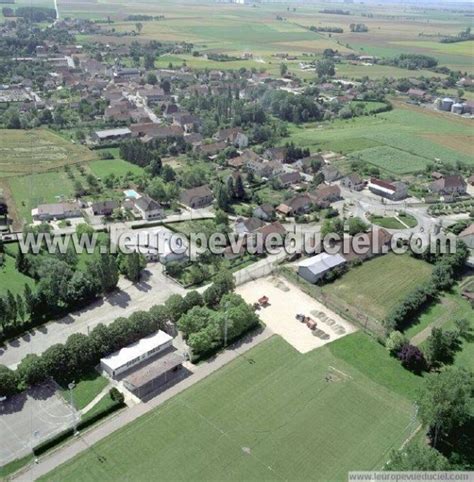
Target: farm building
392 190
48 212
454 184
154 375
314 268
133 354
108 135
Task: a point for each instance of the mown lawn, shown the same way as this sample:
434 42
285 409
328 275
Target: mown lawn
118 167
11 279
390 222
86 389
268 415
378 285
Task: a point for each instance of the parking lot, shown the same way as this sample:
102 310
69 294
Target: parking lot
30 418
285 302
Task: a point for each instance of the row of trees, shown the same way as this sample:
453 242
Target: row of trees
445 271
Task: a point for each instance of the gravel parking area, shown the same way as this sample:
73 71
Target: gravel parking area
285 302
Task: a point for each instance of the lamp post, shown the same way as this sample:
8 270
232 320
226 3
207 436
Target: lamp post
71 387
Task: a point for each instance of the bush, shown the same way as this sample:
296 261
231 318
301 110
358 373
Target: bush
412 358
116 395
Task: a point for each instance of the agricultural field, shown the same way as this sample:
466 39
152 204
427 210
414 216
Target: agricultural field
37 150
402 141
378 285
270 28
274 418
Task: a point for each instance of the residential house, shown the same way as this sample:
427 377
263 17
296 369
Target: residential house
273 229
453 184
193 138
391 190
197 197
210 150
468 236
57 211
418 94
276 154
264 168
124 74
104 208
189 122
147 208
324 195
232 136
295 206
265 212
288 178
330 173
315 268
353 182
151 95
309 164
249 225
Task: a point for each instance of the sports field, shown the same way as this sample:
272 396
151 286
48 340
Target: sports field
269 415
378 285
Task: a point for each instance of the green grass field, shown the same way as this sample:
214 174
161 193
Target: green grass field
402 141
118 167
46 187
86 389
388 222
378 285
11 279
275 418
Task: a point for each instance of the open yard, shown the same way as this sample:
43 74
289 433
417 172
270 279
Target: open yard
272 414
286 301
117 167
11 279
378 285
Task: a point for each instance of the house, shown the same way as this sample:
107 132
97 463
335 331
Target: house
104 208
315 268
147 208
309 164
468 236
197 197
289 178
453 184
193 138
297 205
188 122
232 136
470 180
265 212
211 149
353 182
276 154
364 246
111 135
324 195
330 173
418 94
249 225
274 229
436 175
264 168
57 211
151 95
391 190
124 74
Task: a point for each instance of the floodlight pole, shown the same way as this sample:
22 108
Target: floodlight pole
71 387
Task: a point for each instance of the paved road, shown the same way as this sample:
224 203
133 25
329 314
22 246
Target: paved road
154 289
84 442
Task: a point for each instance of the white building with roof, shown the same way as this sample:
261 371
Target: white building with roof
314 268
133 354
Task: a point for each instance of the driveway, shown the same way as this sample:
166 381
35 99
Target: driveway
154 289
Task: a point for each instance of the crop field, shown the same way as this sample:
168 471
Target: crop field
272 414
378 285
37 150
402 141
270 28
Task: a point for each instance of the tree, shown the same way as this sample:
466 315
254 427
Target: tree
325 68
192 299
139 27
176 307
441 346
239 188
57 362
395 341
446 400
20 307
194 320
356 226
32 370
11 307
29 299
159 316
106 272
283 70
412 358
417 457
131 265
8 382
